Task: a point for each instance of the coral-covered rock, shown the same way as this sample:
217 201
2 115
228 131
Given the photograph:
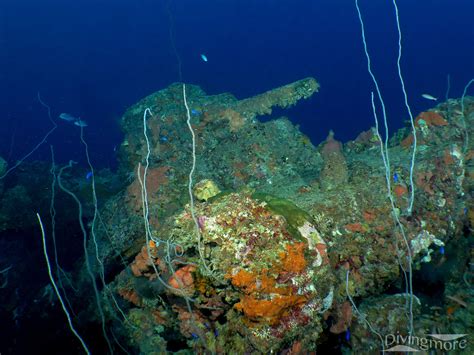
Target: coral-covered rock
344 318
430 118
267 256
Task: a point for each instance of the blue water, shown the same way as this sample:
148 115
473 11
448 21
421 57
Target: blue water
94 59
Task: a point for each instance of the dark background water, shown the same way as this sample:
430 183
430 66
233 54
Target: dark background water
93 59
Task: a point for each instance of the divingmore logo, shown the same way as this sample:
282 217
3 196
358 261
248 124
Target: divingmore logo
444 342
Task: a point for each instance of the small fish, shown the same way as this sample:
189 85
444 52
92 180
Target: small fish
89 175
395 178
429 97
163 139
348 335
67 117
441 250
80 123
195 112
203 57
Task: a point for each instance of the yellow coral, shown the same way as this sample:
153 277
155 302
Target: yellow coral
205 189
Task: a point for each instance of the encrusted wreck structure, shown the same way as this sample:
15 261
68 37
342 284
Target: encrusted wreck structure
280 233
226 234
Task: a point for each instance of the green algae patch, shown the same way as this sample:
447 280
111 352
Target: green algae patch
294 216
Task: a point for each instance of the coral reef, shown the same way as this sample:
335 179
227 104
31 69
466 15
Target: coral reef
283 247
263 267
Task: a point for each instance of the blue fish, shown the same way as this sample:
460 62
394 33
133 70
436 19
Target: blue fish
163 139
89 175
441 250
80 123
67 117
348 335
203 57
195 112
75 120
395 177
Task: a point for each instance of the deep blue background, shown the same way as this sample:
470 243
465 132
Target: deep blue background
94 58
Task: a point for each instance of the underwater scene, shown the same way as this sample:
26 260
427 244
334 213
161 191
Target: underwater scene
236 177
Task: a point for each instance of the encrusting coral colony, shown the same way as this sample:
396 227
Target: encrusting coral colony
280 236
